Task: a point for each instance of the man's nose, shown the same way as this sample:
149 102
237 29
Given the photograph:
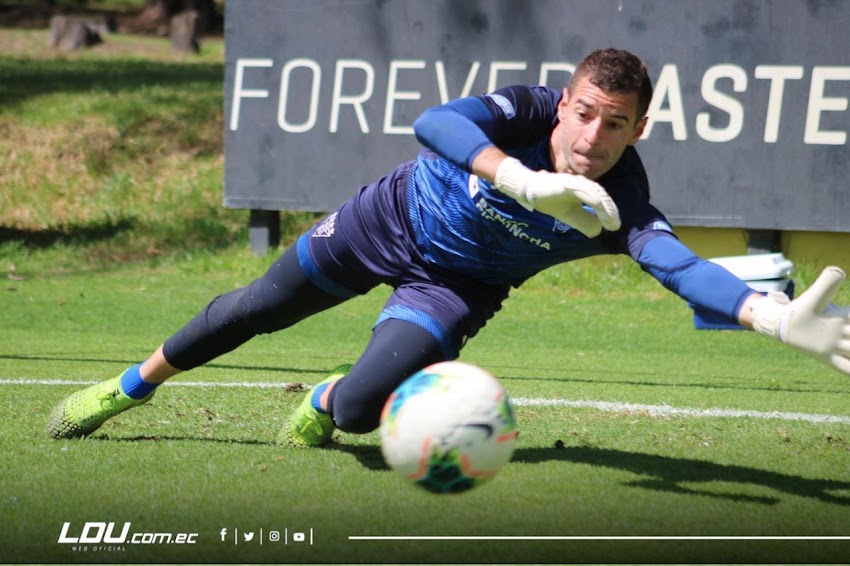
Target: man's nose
593 131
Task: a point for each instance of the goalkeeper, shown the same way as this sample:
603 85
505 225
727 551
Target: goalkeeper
508 184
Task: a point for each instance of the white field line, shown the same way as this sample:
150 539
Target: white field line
607 406
668 411
248 384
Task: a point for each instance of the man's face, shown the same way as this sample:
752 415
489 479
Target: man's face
594 129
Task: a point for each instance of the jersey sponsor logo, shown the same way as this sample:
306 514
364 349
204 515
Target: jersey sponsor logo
504 104
326 228
516 228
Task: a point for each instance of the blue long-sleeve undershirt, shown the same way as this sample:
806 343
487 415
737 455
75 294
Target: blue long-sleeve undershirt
700 282
457 131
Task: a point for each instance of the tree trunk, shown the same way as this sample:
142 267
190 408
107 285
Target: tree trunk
75 32
156 16
183 33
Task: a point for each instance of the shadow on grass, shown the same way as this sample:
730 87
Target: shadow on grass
368 456
164 437
659 473
72 235
662 473
22 79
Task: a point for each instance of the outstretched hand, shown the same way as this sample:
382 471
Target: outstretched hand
810 323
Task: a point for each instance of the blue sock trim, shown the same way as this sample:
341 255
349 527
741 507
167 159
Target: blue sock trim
134 386
316 395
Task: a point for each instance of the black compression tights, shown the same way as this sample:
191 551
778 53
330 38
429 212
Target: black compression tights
277 300
284 296
396 350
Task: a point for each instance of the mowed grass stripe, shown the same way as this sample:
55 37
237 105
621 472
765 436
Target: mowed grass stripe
605 406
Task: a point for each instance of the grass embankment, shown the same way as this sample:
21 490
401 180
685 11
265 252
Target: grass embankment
114 155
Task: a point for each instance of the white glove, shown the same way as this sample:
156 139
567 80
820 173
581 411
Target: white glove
810 323
559 195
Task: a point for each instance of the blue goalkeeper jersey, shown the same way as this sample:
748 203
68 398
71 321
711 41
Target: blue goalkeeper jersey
463 223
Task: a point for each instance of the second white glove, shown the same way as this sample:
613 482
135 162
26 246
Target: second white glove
809 323
559 195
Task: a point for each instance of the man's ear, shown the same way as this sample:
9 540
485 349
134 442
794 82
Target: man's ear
562 105
638 130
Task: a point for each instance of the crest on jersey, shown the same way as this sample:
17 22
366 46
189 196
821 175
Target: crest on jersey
326 228
472 185
561 227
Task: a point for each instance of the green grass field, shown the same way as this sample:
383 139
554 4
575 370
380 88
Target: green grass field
633 424
200 458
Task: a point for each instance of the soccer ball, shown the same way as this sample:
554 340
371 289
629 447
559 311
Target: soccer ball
448 427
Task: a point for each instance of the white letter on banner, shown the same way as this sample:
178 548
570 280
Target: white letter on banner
723 102
497 66
545 68
467 86
355 100
239 93
777 74
668 87
285 73
393 95
819 103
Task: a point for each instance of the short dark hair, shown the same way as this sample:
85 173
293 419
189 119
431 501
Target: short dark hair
617 70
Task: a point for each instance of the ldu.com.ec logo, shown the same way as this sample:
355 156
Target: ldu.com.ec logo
102 533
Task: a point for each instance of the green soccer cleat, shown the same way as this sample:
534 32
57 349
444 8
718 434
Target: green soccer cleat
308 427
82 413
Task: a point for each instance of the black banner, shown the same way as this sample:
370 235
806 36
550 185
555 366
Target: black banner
748 126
